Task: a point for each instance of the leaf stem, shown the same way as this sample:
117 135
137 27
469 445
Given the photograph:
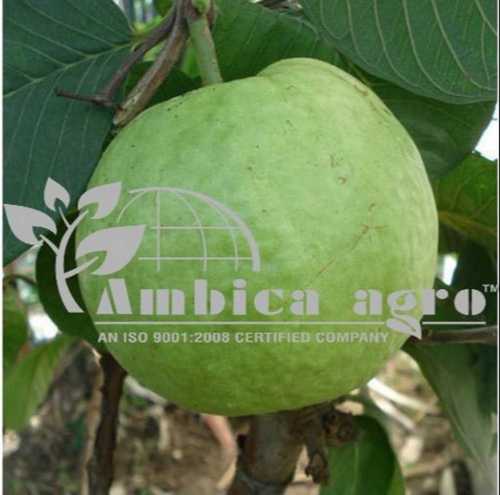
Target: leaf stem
203 43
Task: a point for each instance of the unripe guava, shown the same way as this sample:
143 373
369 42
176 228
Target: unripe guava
337 198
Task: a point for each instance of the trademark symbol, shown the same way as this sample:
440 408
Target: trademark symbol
490 288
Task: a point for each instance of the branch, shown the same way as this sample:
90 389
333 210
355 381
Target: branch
482 335
145 89
270 452
105 98
100 469
269 456
274 4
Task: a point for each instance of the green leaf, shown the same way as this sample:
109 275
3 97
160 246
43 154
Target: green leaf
15 328
455 375
27 384
61 44
162 6
72 324
249 37
475 269
443 50
466 199
445 134
367 462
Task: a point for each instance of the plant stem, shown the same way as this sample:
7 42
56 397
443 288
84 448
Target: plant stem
203 44
144 90
272 447
105 97
482 335
269 458
100 469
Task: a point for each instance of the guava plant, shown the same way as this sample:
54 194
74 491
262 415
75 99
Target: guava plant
332 140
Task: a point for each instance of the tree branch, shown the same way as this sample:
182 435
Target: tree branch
268 459
100 469
105 98
145 89
482 335
269 456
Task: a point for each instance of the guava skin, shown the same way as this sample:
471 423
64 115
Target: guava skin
336 195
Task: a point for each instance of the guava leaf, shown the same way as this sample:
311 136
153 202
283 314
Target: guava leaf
476 269
27 384
105 197
55 192
466 199
72 324
454 374
15 328
369 461
462 374
442 50
118 243
23 221
445 134
162 6
249 37
57 44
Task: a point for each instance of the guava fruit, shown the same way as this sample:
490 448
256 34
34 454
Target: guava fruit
336 197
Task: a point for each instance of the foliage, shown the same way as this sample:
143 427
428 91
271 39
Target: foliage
28 382
369 461
15 329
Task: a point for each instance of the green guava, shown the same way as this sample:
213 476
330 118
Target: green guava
335 195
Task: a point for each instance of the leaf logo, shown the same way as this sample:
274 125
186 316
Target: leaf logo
118 243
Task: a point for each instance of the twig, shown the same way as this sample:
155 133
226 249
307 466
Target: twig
270 452
100 469
145 89
269 456
105 98
92 422
482 335
273 4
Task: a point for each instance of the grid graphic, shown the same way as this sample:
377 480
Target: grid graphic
228 221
